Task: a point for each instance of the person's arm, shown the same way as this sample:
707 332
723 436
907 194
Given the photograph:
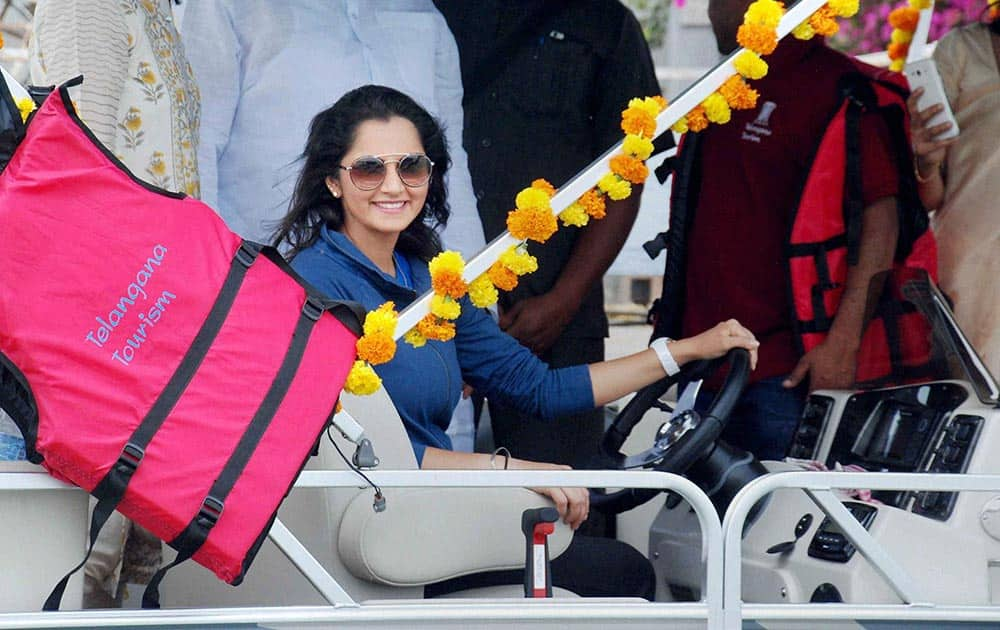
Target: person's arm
538 321
89 38
464 231
213 49
831 364
610 380
929 152
573 504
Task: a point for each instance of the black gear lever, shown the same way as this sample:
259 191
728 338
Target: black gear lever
800 530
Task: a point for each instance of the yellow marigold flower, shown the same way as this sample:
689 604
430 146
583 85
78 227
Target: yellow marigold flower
824 22
545 186
638 146
445 307
376 349
845 8
750 65
482 292
716 108
681 126
647 105
803 31
614 186
760 39
532 198
447 261
697 120
536 224
904 18
574 215
502 277
381 321
414 338
899 36
433 328
362 380
764 13
920 5
518 260
593 204
446 274
897 64
638 122
24 105
738 94
629 168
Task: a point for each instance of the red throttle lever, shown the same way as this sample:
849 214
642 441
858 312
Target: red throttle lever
537 524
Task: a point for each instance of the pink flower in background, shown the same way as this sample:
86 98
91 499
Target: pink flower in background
869 30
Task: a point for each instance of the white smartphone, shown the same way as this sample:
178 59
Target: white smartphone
923 73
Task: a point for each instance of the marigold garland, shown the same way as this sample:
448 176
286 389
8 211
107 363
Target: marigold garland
903 20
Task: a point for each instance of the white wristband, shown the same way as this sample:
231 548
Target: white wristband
667 360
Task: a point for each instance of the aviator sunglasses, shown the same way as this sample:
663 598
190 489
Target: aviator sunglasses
368 171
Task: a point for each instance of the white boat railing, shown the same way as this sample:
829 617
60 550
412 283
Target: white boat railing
918 605
343 608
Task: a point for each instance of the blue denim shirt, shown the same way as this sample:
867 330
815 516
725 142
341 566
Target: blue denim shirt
425 383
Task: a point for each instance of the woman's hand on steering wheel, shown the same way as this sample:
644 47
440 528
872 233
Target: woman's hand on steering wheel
573 504
715 342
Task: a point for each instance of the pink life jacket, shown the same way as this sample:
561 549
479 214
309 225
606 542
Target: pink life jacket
152 357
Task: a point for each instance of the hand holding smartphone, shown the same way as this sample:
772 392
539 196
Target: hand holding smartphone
923 74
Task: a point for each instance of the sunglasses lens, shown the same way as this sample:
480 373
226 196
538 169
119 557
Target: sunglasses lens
415 169
367 173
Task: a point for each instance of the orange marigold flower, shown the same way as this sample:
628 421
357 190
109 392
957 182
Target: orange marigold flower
898 51
738 93
824 21
760 39
638 122
537 224
430 327
904 18
542 184
697 120
662 102
593 203
502 277
630 168
376 349
448 283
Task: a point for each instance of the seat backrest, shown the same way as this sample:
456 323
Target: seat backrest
42 536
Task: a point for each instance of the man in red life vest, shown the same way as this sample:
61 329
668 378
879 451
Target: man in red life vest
781 217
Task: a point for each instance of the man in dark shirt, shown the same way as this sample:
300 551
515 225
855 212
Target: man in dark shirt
752 170
545 84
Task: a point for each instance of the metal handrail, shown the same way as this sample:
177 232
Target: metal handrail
820 487
709 608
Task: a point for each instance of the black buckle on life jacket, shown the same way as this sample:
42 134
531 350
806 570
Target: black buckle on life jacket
313 308
210 512
130 458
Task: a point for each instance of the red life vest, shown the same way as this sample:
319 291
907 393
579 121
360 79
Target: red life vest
152 357
826 229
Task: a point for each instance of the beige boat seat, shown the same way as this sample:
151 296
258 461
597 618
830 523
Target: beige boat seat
42 536
425 534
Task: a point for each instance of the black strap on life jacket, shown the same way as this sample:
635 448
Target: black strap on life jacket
110 490
194 535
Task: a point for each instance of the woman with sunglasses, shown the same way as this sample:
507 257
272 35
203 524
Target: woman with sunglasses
360 227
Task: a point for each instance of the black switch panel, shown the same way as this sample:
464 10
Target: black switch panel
951 456
806 437
830 543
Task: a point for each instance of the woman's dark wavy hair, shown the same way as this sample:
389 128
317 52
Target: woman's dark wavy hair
331 134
